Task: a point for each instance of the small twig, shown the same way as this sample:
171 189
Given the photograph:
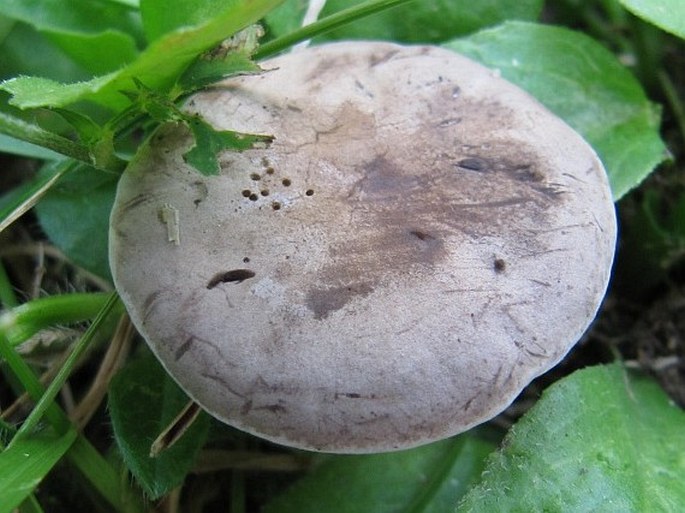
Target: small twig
113 360
39 272
31 249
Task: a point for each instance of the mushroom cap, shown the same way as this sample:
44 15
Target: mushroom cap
419 242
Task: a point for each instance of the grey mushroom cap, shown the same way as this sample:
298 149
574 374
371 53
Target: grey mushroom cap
419 242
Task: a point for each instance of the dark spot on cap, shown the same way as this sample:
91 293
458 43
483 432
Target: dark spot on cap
499 265
246 193
255 176
421 235
473 164
309 192
286 182
233 276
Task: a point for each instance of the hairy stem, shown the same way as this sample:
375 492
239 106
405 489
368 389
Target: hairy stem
20 129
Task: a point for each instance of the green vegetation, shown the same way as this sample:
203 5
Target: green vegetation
82 400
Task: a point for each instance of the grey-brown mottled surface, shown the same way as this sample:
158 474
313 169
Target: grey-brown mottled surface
419 242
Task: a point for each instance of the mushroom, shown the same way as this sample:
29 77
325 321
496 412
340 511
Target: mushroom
419 242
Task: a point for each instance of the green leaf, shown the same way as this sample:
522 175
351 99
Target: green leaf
163 16
73 16
209 142
142 402
75 216
25 463
232 57
428 479
31 92
26 51
599 440
158 67
98 34
97 53
668 15
431 20
583 83
204 72
286 18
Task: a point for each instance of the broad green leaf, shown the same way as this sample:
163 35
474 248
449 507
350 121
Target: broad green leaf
6 25
100 35
72 16
286 18
142 402
75 216
668 15
428 479
158 67
97 53
31 92
25 51
431 20
583 83
26 462
601 440
163 16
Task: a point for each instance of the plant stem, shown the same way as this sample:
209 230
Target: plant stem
31 384
22 322
82 454
65 371
20 129
328 23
